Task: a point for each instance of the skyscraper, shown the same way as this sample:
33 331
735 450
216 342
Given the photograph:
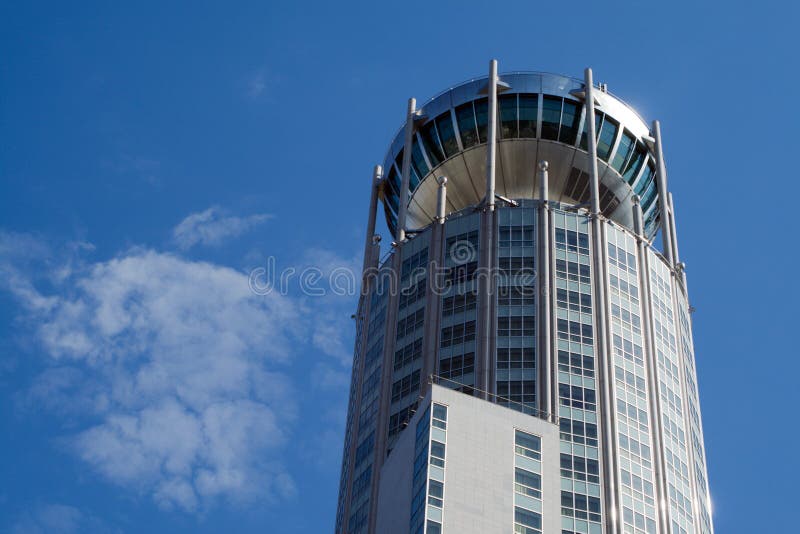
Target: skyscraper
523 358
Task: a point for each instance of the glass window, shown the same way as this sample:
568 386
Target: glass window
433 527
645 180
551 117
635 163
624 151
482 118
528 445
466 125
598 120
649 196
440 412
430 138
528 483
570 117
606 139
526 522
447 135
528 111
418 161
435 493
437 453
507 105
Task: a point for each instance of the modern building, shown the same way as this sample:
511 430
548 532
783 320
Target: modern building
523 358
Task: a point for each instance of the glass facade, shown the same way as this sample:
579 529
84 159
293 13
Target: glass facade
604 344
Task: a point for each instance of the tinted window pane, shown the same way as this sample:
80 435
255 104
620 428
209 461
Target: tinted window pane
431 141
569 122
528 110
644 181
508 116
606 139
624 151
466 125
598 119
420 166
447 135
649 196
482 117
551 117
635 163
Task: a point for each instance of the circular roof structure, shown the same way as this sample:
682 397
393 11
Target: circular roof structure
541 116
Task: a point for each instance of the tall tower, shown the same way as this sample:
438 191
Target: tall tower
523 358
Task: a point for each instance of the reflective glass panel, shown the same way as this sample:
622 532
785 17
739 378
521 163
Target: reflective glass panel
508 116
447 134
528 110
569 122
466 125
551 117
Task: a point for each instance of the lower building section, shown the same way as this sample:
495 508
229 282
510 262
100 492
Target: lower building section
470 466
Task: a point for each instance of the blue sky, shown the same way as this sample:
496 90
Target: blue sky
153 153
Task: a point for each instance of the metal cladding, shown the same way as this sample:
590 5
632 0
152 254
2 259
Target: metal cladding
541 117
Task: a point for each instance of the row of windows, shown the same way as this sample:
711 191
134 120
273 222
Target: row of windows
515 296
458 303
516 358
580 468
578 432
574 331
577 364
577 397
412 293
409 324
515 236
518 392
414 262
580 506
457 366
572 241
410 353
574 300
574 272
457 334
405 386
516 326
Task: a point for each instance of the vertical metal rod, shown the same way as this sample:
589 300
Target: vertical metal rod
545 297
638 218
601 308
441 199
675 255
373 210
405 172
591 135
491 144
661 183
653 397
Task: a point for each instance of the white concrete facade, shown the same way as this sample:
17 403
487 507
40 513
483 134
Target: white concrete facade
479 468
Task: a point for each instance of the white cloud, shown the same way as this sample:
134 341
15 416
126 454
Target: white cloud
212 227
58 519
170 374
177 365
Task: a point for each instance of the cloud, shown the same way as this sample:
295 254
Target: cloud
212 227
176 368
58 519
170 376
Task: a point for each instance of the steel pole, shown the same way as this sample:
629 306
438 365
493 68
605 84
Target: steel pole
491 143
441 199
405 172
545 296
373 209
663 197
